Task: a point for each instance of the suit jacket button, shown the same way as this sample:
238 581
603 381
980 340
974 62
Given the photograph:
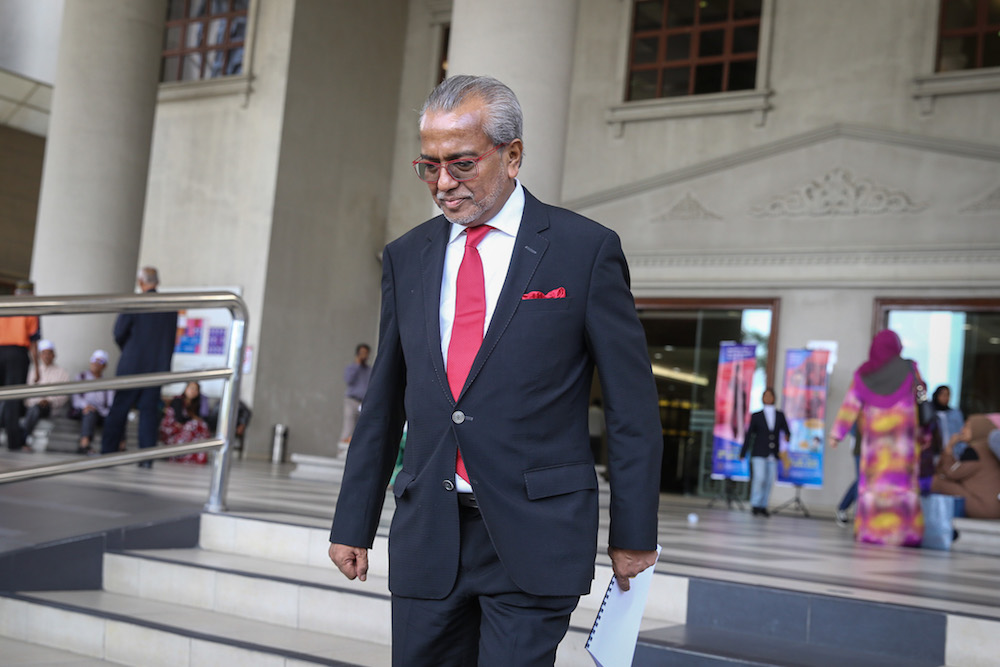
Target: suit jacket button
458 416
448 485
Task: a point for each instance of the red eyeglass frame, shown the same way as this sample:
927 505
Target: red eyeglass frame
474 160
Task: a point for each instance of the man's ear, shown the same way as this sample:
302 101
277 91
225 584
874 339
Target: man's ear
514 152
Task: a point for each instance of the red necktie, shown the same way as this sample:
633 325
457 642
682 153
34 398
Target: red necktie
470 319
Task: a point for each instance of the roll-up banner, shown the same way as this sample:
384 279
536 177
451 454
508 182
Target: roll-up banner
732 410
804 405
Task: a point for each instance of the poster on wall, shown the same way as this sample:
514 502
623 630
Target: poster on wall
804 405
732 410
189 330
202 341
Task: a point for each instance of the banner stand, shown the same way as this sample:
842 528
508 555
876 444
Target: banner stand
728 493
795 503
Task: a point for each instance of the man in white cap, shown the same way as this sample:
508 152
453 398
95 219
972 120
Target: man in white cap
48 372
92 407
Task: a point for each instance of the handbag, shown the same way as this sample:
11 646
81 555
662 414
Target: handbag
939 511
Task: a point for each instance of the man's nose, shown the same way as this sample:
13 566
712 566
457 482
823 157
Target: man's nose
446 181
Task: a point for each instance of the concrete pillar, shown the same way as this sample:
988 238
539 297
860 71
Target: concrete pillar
528 45
96 162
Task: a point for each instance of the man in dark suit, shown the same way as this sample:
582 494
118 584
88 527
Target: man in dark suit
763 444
147 344
494 533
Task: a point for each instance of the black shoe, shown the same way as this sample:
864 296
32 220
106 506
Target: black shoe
764 512
145 464
756 511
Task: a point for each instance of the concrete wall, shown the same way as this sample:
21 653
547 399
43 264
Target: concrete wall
21 156
213 172
700 200
337 146
410 204
851 61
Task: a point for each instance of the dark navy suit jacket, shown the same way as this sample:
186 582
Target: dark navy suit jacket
762 441
146 341
521 419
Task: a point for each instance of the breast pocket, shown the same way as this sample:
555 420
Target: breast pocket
544 305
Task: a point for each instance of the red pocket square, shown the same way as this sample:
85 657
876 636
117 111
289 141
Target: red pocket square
557 293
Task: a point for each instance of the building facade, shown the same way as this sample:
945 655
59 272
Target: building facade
785 172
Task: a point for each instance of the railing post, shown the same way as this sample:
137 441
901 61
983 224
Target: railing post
229 405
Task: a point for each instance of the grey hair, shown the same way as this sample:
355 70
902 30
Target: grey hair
504 119
149 275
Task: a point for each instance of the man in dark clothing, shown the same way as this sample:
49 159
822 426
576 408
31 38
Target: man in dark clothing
18 347
147 344
762 443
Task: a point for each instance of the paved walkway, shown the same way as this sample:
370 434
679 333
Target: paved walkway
790 552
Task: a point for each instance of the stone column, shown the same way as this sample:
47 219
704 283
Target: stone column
96 161
528 45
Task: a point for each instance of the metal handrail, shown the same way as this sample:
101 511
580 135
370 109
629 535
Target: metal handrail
142 303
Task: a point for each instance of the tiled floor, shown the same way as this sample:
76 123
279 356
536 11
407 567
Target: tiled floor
811 555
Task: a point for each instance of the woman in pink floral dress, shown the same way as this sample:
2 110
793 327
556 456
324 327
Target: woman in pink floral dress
881 399
183 422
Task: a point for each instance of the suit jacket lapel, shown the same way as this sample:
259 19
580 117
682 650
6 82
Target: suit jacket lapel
529 247
431 272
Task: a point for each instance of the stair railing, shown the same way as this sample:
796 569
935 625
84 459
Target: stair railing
142 303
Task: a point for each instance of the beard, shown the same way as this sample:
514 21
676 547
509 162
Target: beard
479 207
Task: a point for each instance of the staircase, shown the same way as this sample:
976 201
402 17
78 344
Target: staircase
254 587
255 591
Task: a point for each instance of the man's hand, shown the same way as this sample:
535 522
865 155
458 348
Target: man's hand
627 563
832 442
88 409
352 561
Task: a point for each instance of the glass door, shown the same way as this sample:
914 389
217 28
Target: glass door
683 339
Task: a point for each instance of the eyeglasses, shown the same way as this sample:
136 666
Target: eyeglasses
460 169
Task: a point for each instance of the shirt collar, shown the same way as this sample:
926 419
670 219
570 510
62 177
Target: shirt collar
507 219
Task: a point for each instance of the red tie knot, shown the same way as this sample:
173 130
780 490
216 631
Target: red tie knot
473 235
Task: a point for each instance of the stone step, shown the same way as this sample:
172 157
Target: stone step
297 596
740 624
133 631
317 599
686 646
977 536
25 653
306 544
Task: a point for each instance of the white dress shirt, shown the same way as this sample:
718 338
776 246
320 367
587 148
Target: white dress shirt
769 411
495 250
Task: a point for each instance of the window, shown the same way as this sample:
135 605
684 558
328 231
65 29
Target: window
683 337
203 39
954 342
692 47
968 35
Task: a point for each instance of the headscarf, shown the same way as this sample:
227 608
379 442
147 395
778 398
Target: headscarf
886 346
938 407
885 371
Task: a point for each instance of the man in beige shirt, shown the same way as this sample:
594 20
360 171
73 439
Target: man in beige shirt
48 373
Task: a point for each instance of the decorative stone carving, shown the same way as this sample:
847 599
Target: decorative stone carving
838 193
990 202
686 210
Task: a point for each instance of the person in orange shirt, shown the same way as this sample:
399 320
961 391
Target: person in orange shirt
18 348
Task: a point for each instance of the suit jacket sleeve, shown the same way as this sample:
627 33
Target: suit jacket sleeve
783 425
617 343
375 442
123 328
749 437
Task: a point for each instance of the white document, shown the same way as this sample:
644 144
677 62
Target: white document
616 628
